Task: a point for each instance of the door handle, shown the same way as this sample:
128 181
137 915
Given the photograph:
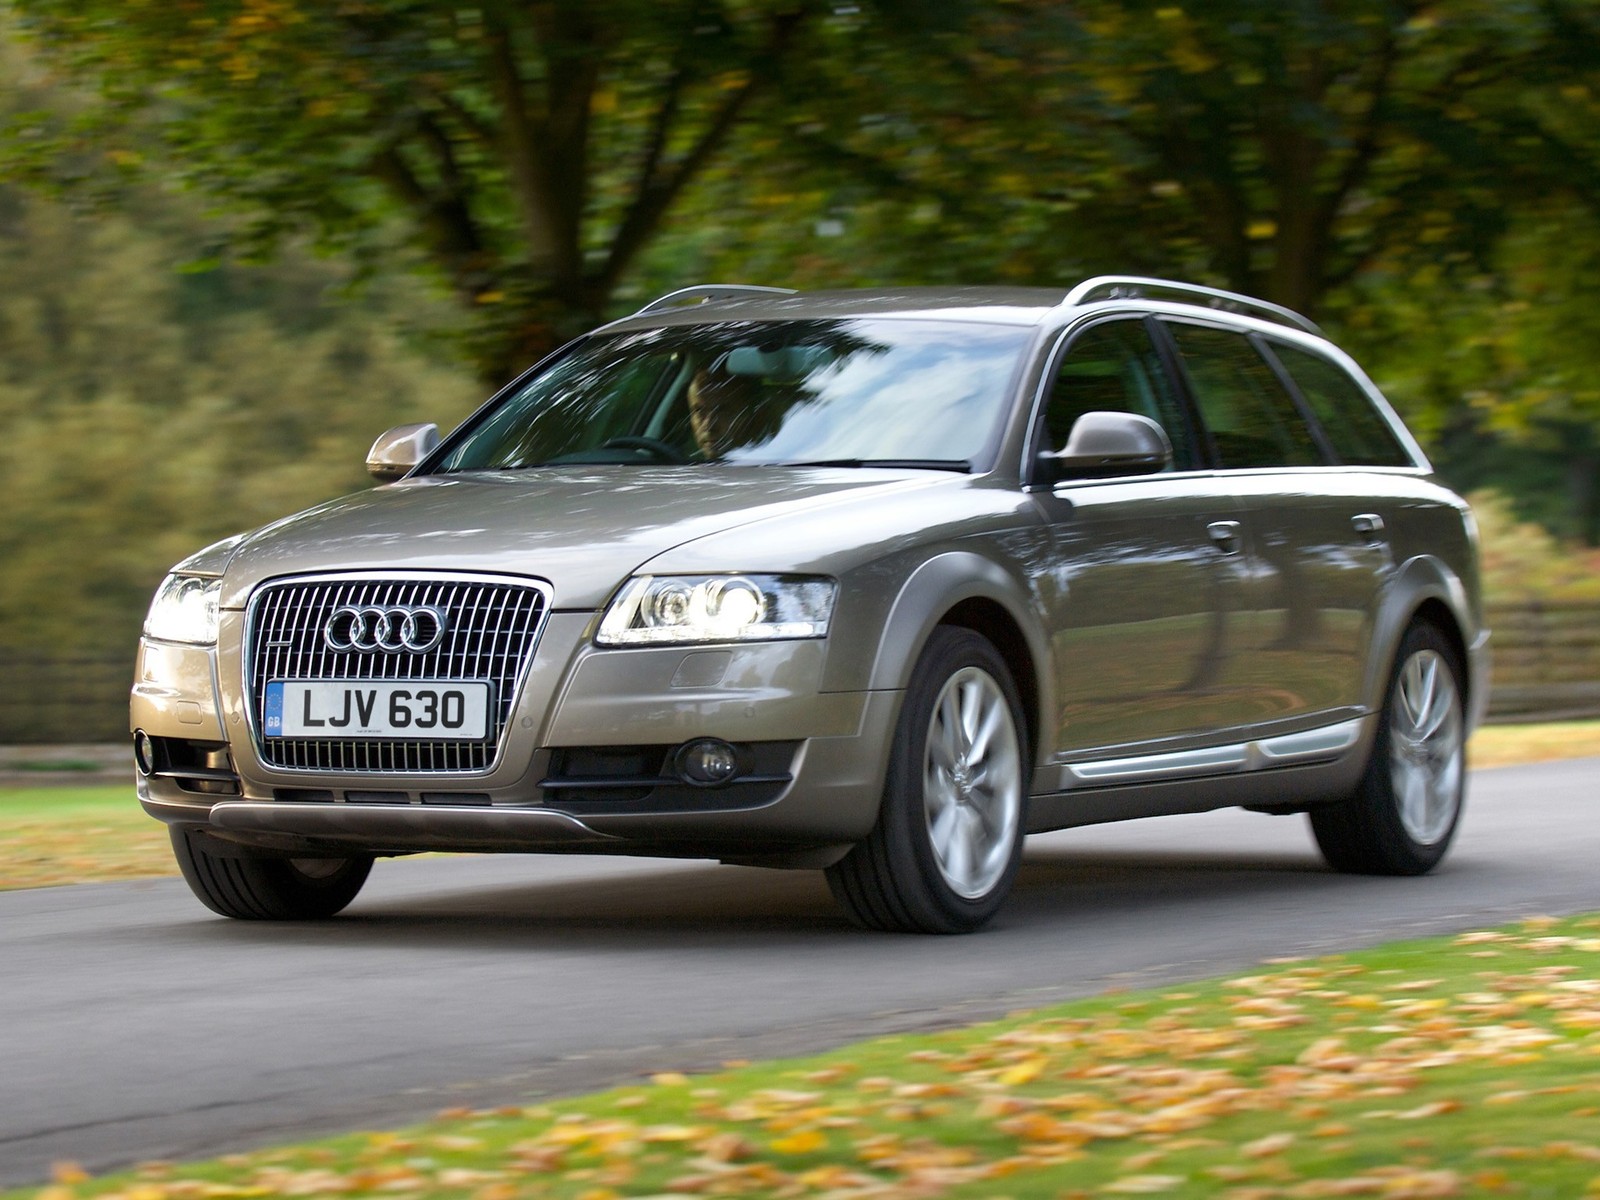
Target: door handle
1368 527
1225 535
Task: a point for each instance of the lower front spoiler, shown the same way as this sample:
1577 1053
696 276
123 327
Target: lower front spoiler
314 830
400 828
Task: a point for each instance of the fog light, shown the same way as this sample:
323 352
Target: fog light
144 753
708 762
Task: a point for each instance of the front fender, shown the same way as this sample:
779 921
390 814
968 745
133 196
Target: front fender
927 597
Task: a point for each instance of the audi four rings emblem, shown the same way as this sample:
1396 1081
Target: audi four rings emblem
391 628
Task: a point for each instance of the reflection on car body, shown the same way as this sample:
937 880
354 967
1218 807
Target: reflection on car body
874 583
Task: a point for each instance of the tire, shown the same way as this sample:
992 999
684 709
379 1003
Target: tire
268 889
945 849
1404 813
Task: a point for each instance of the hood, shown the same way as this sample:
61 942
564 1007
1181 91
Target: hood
583 532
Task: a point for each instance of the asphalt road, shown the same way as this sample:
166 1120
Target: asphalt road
136 1025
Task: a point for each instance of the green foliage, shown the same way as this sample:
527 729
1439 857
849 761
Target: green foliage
530 150
1280 149
1523 563
1422 174
1419 176
149 411
1496 367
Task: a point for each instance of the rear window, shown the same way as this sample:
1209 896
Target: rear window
1252 419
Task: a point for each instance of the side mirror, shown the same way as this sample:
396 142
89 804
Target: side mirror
400 449
1108 443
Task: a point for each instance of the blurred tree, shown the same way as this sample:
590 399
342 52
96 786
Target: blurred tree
1422 177
1504 380
148 412
1277 147
532 148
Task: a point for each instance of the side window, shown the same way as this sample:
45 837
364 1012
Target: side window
1252 419
1114 367
1357 431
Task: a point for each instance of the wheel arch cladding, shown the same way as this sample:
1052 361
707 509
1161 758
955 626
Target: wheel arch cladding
989 618
967 590
1423 589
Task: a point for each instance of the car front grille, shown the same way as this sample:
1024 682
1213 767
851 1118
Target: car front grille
494 625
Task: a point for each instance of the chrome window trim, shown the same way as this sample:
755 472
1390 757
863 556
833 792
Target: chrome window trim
1050 353
247 659
1311 345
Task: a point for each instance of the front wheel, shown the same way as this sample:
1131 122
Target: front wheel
268 889
1404 812
948 839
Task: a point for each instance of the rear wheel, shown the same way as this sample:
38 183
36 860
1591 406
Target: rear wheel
268 889
949 834
1404 813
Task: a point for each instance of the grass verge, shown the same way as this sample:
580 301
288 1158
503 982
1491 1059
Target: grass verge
60 834
1467 1066
1513 745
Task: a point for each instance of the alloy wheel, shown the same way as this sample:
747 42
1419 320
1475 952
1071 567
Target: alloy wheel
972 783
1425 747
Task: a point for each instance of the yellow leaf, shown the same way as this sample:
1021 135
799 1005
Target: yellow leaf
1274 1143
726 1148
1437 1109
669 1079
1145 1184
1025 1071
671 1133
806 1141
68 1173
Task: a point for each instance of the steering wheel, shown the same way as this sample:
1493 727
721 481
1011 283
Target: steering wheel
664 451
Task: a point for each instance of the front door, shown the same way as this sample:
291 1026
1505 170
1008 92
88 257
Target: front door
1145 579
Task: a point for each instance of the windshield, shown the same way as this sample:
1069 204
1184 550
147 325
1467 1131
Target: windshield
848 392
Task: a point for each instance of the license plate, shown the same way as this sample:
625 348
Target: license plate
358 708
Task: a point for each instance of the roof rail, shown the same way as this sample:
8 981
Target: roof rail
1119 287
701 293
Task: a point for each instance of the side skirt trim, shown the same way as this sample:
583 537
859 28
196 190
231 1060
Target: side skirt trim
1286 750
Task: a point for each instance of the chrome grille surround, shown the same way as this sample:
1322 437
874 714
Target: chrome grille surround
495 623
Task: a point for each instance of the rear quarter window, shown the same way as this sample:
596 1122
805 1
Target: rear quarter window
1356 430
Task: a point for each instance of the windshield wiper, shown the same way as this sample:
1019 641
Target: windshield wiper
909 464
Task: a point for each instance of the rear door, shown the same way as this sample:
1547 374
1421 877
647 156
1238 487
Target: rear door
1316 539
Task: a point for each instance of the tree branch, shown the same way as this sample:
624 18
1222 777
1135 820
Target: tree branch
450 233
657 192
522 133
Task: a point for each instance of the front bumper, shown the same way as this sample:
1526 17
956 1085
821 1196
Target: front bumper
817 758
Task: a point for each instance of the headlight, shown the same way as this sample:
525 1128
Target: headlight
184 610
657 610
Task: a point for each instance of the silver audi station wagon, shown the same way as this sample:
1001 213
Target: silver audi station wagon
874 583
